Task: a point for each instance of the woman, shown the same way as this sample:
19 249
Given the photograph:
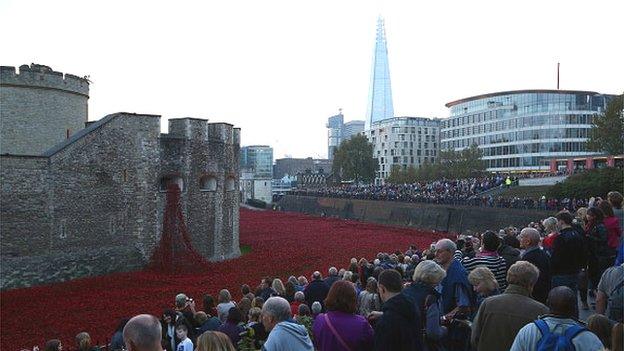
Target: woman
209 305
290 290
244 306
601 326
53 345
246 291
278 287
612 223
168 330
427 299
550 228
83 342
233 325
214 341
484 283
225 303
340 328
600 255
369 300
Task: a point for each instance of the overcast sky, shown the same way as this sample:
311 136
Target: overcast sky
279 69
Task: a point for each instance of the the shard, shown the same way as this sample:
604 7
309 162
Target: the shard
380 93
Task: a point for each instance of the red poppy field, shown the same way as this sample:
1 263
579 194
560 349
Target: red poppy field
281 244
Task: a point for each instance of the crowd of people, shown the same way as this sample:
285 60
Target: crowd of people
468 192
511 289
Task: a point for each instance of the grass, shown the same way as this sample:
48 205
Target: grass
245 249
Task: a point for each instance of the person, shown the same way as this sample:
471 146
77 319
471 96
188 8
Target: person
612 224
182 331
568 254
562 302
427 275
600 255
214 341
500 317
209 305
284 334
316 309
206 322
601 326
246 291
529 241
550 228
259 333
83 342
168 330
143 333
483 283
244 305
510 252
457 298
266 290
225 303
53 345
489 257
290 289
299 298
615 199
368 299
185 308
610 293
340 328
116 342
617 337
316 290
332 277
278 287
232 326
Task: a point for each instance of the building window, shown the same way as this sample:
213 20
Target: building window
208 183
168 179
230 184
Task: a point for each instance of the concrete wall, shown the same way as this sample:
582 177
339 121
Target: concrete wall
39 106
454 219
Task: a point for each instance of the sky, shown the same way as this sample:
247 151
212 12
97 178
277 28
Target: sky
279 69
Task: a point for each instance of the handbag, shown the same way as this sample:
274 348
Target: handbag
333 330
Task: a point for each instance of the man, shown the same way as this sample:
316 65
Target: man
609 295
398 326
615 199
284 333
529 242
562 302
143 333
568 254
316 290
266 290
489 258
500 317
456 293
333 276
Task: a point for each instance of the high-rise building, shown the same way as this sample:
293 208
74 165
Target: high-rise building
334 133
524 130
403 142
258 158
380 91
352 128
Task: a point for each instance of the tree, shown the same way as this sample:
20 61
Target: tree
354 160
607 133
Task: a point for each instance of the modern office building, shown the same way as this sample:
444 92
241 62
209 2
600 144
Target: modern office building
380 91
293 166
258 158
352 128
334 133
404 142
523 130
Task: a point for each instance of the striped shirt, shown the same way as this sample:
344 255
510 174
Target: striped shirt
496 264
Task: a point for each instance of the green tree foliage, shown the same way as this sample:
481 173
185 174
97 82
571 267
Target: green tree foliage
354 160
451 164
595 182
607 133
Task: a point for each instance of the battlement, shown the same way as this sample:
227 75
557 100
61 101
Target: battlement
40 76
200 129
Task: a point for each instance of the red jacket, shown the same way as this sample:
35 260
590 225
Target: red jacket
294 307
613 231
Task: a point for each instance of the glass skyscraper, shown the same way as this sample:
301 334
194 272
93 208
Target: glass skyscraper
380 92
258 158
523 130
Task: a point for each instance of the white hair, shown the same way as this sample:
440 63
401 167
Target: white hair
316 307
532 234
333 271
429 273
446 244
299 296
278 308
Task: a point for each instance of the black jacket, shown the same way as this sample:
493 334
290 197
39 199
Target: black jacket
400 326
541 260
568 253
330 280
316 290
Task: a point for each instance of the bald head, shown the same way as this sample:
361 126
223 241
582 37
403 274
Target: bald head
143 333
562 302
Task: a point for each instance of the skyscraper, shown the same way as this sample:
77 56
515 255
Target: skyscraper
380 93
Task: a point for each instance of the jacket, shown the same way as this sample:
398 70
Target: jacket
541 260
529 336
568 253
354 330
500 318
316 290
510 254
399 328
288 336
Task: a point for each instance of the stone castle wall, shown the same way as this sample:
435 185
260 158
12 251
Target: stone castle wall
40 107
93 204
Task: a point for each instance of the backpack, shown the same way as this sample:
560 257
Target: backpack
557 342
616 303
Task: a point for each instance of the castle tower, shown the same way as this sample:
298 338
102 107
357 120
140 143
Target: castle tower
40 108
380 93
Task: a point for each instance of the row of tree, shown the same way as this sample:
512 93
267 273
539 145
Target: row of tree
353 160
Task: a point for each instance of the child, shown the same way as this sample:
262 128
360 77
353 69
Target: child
185 343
